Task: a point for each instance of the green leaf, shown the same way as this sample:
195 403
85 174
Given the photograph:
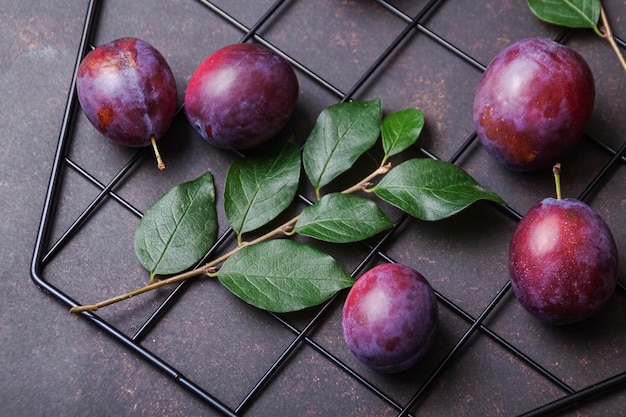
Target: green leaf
179 228
431 190
570 13
400 130
260 187
281 275
341 134
342 218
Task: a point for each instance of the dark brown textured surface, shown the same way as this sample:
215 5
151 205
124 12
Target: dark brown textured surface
57 364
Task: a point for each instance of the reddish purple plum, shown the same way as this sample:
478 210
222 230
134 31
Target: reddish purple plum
128 92
563 261
533 103
390 318
241 96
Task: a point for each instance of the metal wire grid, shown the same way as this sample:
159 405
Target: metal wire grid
42 256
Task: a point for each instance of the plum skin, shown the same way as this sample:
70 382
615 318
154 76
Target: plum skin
241 96
563 261
532 103
390 317
127 91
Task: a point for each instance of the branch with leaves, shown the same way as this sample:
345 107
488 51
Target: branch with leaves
282 275
578 14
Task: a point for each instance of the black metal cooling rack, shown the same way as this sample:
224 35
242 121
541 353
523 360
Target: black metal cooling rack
45 249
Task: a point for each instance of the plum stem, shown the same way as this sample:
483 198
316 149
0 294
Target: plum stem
556 170
608 35
209 269
157 154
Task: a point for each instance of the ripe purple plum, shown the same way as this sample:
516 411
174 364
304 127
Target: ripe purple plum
390 318
127 91
563 261
533 103
241 96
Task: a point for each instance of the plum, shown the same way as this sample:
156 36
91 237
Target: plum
532 103
128 92
390 318
241 96
563 261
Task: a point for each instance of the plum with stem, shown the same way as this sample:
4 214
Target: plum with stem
563 260
128 92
